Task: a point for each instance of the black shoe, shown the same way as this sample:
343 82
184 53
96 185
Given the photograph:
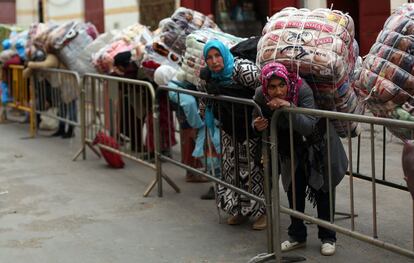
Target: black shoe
69 134
210 195
59 132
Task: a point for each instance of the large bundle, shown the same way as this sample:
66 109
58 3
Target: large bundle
320 46
68 41
173 31
386 80
134 37
317 42
193 59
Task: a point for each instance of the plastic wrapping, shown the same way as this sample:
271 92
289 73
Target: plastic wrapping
193 59
173 31
71 54
386 80
133 38
319 45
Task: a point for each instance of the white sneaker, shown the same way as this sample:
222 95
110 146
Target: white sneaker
328 249
290 245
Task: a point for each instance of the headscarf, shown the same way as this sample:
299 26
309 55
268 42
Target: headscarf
164 74
293 81
225 75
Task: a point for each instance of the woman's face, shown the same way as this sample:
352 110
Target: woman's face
214 60
277 88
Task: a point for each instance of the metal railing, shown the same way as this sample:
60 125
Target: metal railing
60 90
120 108
21 95
234 106
278 208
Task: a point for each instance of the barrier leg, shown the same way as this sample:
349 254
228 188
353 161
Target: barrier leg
82 150
155 181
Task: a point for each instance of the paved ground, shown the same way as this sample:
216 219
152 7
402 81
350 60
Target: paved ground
56 210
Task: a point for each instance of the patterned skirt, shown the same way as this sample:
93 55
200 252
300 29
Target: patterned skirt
250 178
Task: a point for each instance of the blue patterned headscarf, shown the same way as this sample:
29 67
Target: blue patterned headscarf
225 75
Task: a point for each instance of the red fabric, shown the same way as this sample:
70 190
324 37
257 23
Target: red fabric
14 60
166 127
113 159
188 140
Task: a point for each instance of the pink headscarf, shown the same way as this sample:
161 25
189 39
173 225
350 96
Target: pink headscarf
293 81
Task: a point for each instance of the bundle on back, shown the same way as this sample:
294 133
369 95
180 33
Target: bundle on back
386 81
320 46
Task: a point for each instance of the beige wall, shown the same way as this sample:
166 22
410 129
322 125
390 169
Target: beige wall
26 12
120 14
396 3
312 4
61 11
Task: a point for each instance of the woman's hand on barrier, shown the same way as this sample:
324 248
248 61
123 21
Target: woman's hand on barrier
260 123
277 103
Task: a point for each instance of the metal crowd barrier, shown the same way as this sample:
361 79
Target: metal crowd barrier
240 105
278 208
360 173
21 95
122 109
57 93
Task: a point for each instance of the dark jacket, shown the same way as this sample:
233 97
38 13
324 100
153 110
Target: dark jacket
309 143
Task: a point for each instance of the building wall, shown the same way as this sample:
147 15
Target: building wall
120 14
8 12
312 4
61 11
26 12
397 3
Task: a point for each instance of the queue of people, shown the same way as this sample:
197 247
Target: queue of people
223 136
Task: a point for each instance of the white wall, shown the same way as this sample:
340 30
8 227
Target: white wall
313 4
26 12
120 14
61 11
396 3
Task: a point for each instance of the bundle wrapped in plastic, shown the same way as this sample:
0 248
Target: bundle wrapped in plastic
92 48
133 38
173 31
68 42
41 35
103 60
62 35
193 59
320 46
318 43
386 80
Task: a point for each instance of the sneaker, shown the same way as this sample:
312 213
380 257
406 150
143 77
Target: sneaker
260 223
291 245
236 220
328 248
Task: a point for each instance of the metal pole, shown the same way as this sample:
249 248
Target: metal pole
275 188
40 13
267 192
351 178
384 132
374 192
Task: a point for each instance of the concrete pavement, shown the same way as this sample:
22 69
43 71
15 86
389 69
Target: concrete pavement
56 210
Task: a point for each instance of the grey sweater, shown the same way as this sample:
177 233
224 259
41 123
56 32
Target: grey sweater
304 126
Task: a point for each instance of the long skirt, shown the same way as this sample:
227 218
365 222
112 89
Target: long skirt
249 178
